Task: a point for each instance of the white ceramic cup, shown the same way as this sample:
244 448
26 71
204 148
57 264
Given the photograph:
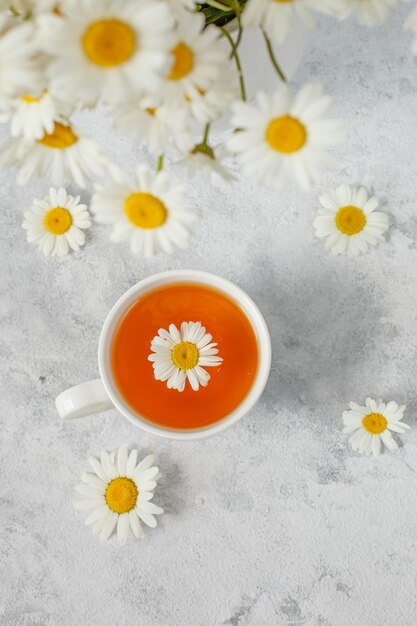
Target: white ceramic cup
102 394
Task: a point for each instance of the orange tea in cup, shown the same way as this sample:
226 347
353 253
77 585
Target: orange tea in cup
230 381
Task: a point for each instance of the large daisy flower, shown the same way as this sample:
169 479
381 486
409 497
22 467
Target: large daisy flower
349 221
373 423
181 355
111 50
56 223
153 123
33 117
19 68
62 154
278 18
148 212
280 136
118 492
198 59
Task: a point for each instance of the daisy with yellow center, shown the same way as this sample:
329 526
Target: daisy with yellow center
63 154
148 212
349 222
35 116
281 136
57 223
118 492
372 424
182 354
114 51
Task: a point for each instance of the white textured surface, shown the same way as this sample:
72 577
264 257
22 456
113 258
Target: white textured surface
275 521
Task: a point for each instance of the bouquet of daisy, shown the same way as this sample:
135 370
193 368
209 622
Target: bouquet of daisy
166 70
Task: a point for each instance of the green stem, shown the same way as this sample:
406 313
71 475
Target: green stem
206 134
273 59
237 61
160 164
217 5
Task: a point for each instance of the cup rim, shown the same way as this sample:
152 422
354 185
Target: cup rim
193 276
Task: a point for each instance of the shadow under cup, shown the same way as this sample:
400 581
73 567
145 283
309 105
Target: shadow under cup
227 314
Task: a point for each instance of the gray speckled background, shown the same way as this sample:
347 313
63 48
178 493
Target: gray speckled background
276 521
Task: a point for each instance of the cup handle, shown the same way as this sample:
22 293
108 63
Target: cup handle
84 399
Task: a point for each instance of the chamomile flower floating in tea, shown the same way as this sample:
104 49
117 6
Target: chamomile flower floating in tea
62 154
33 117
372 424
56 223
349 221
110 50
181 355
118 492
281 136
149 212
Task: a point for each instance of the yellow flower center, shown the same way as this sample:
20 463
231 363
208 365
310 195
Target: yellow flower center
145 211
109 42
374 423
121 495
57 221
30 99
185 355
183 62
283 0
151 111
286 134
350 220
62 137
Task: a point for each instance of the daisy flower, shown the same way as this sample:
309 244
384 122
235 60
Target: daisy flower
207 105
280 136
153 123
118 492
202 162
109 50
373 423
19 68
181 355
56 223
349 221
64 153
148 212
198 59
278 18
34 117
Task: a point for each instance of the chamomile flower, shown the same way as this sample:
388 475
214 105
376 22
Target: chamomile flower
148 120
281 136
20 72
207 105
411 25
349 221
278 18
111 50
198 59
62 154
34 116
372 424
118 492
182 354
148 212
56 223
201 161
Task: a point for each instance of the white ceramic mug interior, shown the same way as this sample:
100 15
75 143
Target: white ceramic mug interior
103 394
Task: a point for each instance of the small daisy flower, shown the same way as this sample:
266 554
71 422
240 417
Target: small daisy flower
207 105
149 121
118 492
197 60
280 136
19 68
373 423
349 221
112 51
34 117
201 161
63 153
56 223
181 355
148 212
